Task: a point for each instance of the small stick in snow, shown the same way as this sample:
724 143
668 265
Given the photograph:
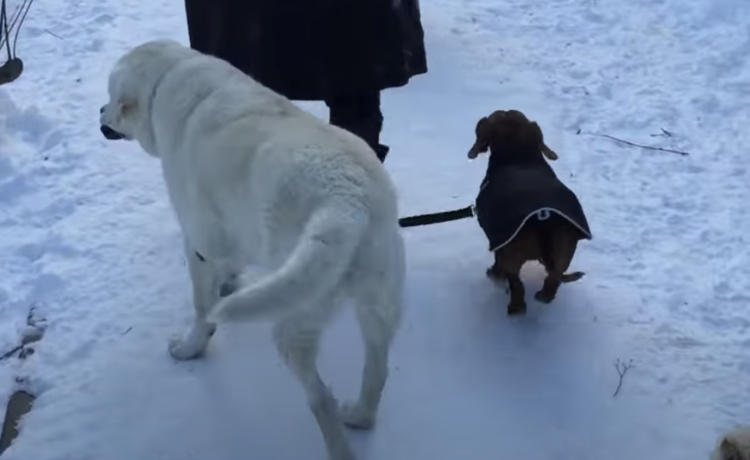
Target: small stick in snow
622 369
648 147
11 352
664 133
53 34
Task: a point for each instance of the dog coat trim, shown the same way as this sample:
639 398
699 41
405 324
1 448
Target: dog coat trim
541 214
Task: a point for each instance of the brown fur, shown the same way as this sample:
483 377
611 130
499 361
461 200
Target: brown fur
508 126
552 242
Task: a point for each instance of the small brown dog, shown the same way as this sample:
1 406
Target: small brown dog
523 208
735 445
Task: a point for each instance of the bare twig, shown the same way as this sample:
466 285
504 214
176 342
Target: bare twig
53 34
8 24
664 133
622 369
27 5
11 352
649 147
13 24
12 67
4 29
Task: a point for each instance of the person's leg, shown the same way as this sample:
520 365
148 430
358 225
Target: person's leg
359 114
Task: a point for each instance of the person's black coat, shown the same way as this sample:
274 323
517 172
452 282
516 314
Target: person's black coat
313 49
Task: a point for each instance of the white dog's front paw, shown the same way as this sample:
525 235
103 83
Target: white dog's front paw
194 344
355 416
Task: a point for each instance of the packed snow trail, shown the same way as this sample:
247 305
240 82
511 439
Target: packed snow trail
86 233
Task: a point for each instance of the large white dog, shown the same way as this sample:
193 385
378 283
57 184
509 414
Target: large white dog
255 180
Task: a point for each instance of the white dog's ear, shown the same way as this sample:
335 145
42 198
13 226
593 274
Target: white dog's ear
126 107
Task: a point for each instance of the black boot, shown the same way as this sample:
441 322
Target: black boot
360 114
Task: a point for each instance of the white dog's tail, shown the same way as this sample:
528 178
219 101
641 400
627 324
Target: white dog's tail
315 267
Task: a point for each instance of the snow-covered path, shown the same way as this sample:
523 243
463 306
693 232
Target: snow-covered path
87 234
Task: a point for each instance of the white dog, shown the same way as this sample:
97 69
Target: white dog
255 180
735 445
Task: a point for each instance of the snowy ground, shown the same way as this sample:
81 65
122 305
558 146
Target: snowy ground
86 233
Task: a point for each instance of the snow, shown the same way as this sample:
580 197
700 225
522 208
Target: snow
86 234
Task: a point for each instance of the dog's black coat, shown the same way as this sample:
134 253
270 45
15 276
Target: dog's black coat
517 186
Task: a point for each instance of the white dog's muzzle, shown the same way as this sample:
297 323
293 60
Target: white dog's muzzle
107 131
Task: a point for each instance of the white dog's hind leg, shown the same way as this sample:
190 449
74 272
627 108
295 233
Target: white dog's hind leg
379 305
205 294
230 285
298 345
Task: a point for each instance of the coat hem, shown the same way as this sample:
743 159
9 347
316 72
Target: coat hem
539 212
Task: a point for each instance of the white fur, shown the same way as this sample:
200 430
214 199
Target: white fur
735 445
255 180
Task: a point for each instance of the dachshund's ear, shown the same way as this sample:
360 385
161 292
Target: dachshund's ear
532 134
548 152
535 137
482 141
481 129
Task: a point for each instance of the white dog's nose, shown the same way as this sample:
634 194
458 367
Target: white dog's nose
101 110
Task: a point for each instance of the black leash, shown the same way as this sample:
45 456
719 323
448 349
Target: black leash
416 221
436 218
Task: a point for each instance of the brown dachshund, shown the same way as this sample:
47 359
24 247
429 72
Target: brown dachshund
525 211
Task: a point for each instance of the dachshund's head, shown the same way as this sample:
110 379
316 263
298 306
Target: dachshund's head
509 128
